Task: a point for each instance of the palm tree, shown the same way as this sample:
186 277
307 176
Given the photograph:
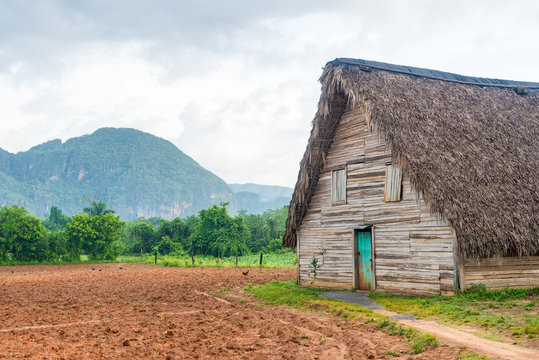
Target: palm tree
97 207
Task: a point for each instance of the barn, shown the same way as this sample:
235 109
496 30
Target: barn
418 181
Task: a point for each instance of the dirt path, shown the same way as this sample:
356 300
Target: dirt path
493 349
143 312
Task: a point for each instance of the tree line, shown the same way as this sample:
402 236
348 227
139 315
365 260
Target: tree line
211 232
99 234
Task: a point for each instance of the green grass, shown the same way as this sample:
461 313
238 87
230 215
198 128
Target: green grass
468 355
290 294
274 261
83 260
497 312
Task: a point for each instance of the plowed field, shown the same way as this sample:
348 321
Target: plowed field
138 311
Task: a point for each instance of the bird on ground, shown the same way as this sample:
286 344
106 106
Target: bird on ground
93 268
245 272
100 269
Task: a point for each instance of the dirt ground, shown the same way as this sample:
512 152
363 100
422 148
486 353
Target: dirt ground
126 311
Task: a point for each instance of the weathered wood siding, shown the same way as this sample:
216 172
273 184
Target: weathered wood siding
413 248
502 272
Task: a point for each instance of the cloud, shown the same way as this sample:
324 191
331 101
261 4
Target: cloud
231 83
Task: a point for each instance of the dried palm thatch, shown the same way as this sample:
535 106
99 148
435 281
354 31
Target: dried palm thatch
469 145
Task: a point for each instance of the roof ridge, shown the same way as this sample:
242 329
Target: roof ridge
520 87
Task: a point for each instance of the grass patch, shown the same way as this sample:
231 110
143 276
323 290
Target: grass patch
272 261
471 356
290 294
510 312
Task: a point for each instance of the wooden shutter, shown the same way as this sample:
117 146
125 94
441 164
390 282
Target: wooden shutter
392 191
338 186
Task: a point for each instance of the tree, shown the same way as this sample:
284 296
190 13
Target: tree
239 233
105 243
97 207
275 246
98 236
21 235
266 227
145 238
167 246
56 244
56 220
275 220
258 232
78 233
218 234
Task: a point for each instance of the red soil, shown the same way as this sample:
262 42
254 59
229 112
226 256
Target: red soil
144 311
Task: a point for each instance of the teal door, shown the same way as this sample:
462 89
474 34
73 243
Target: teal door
364 248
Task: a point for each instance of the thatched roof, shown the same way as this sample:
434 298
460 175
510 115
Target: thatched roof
469 145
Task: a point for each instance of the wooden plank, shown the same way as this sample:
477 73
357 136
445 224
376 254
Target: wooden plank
503 261
503 283
413 249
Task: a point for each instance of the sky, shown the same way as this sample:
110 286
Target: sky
233 84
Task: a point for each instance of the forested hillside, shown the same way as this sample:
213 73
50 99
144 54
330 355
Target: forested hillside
136 173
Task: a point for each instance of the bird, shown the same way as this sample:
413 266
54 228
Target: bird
100 269
121 268
93 268
245 272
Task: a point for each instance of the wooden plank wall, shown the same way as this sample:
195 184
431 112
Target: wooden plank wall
502 272
413 249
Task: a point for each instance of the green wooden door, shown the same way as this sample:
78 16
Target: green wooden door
364 248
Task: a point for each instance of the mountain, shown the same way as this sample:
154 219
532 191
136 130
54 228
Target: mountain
135 173
266 192
256 198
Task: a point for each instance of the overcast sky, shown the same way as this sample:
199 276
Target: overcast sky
234 84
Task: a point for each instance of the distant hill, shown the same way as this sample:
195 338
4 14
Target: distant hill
256 198
266 192
135 173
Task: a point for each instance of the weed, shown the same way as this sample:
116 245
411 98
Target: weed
313 267
383 323
303 336
472 356
97 305
529 305
392 353
420 342
323 338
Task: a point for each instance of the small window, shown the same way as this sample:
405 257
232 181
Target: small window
393 188
338 186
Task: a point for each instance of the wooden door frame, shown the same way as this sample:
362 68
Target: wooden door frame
355 255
